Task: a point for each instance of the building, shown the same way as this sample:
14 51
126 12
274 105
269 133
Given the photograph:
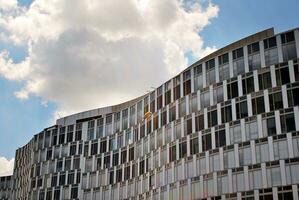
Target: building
227 127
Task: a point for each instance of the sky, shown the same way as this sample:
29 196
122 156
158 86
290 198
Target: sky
62 57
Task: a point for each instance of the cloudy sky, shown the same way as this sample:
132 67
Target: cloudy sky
58 57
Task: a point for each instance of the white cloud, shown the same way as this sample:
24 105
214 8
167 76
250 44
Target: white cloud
87 54
6 166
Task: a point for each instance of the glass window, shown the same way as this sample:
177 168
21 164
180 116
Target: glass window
205 99
238 61
210 74
229 159
293 97
251 130
287 123
258 105
264 81
232 90
275 101
223 67
262 152
269 126
206 142
226 114
183 149
288 46
199 120
254 60
245 156
248 85
218 94
212 118
220 138
271 53
194 148
282 75
241 109
198 80
235 134
280 149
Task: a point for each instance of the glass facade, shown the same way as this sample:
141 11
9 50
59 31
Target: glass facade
225 128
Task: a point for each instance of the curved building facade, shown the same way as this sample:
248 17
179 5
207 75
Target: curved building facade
227 127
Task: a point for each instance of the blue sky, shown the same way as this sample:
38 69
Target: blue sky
21 119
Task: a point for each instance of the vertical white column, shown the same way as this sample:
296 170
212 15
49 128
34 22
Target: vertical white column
217 69
246 59
273 76
290 145
291 71
264 175
204 74
282 172
240 88
230 61
270 146
192 79
277 122
252 147
284 96
256 81
295 187
266 101
296 33
213 137
249 105
181 85
262 54
279 48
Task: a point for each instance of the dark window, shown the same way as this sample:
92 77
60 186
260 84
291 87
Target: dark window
223 59
61 138
115 159
254 47
57 194
62 179
99 163
226 114
296 71
220 138
282 76
238 53
70 178
189 126
141 167
287 37
103 146
107 161
194 148
212 118
275 101
199 122
54 181
206 142
248 85
119 175
111 177
94 148
172 153
131 154
287 123
270 42
183 149
271 127
124 156
258 105
232 90
242 110
265 81
74 192
293 97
